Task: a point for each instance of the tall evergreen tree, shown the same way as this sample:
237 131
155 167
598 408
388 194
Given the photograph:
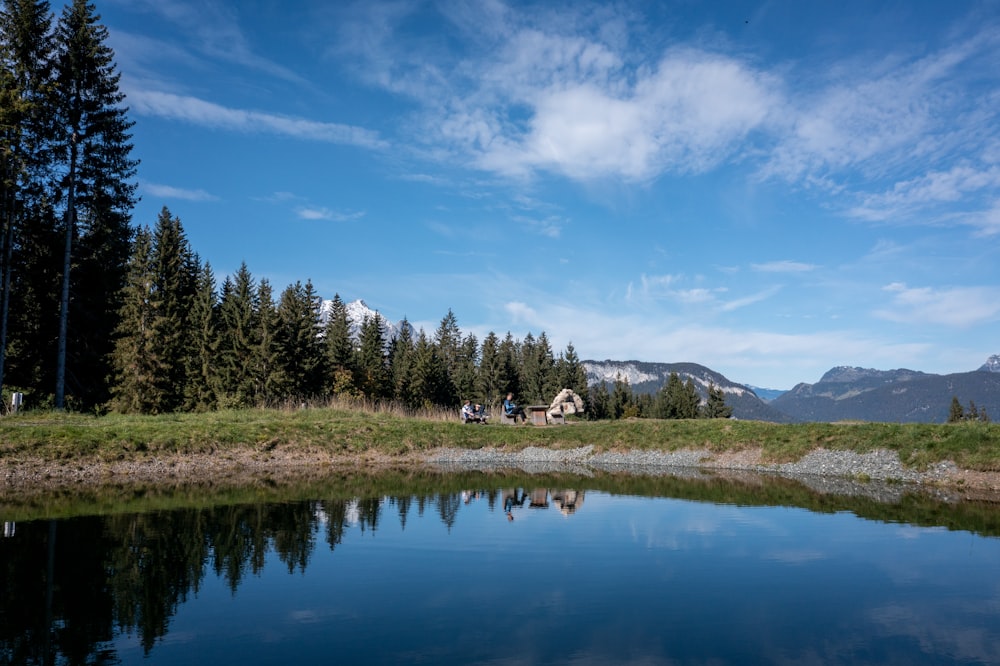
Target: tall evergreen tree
429 385
401 352
26 58
94 148
599 405
238 340
466 370
201 356
299 343
268 372
137 367
174 275
339 349
511 367
166 287
372 369
492 379
449 341
621 399
571 373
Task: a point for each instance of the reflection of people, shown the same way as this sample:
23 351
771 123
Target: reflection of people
510 500
510 408
568 501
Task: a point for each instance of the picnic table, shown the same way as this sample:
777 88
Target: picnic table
536 414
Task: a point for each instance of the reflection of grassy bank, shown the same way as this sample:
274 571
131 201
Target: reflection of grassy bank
915 506
339 432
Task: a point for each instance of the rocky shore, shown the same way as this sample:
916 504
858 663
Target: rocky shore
820 467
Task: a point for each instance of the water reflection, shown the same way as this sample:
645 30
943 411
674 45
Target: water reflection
479 572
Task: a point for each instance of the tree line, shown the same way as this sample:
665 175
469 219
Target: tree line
184 345
958 414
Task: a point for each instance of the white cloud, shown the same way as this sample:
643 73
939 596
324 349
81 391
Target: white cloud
170 192
200 112
322 213
783 267
958 306
686 115
959 184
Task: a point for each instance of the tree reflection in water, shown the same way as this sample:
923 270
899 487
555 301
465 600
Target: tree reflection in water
70 585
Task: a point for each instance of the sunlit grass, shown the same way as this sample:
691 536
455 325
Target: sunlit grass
352 428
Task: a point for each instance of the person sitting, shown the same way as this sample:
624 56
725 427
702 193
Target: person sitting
479 411
511 409
468 415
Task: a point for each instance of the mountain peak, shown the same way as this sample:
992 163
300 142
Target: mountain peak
992 364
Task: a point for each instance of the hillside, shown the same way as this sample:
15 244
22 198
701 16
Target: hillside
903 396
644 377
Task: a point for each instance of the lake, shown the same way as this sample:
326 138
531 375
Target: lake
501 567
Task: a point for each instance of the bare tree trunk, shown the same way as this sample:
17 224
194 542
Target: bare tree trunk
60 398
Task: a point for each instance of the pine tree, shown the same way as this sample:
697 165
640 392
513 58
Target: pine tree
268 373
510 366
571 373
530 384
621 399
137 367
449 340
430 384
401 353
298 341
372 369
165 289
238 340
492 381
25 155
466 371
599 406
339 349
201 356
956 413
715 406
174 275
93 148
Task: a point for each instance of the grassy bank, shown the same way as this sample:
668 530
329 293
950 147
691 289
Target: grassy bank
345 432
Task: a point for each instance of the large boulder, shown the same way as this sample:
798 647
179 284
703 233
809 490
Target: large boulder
567 402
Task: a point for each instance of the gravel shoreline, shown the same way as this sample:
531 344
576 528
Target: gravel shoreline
821 468
822 464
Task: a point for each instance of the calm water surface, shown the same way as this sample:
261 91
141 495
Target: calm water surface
526 574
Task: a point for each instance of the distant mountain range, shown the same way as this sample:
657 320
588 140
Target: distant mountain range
646 377
842 394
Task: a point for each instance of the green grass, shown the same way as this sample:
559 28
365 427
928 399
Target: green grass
69 437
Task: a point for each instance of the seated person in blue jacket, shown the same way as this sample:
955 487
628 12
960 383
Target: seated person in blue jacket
510 408
468 415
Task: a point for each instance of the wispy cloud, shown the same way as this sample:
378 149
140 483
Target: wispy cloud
170 192
208 114
312 213
214 31
957 306
783 267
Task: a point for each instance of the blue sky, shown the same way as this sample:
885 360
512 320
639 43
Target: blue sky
770 189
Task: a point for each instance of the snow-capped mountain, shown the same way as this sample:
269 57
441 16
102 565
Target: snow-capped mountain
992 364
358 312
